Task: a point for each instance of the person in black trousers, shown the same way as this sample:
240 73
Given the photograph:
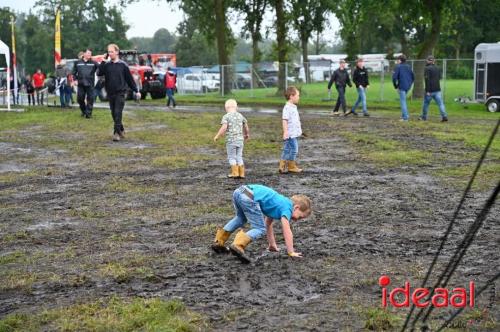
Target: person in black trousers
117 78
84 74
341 78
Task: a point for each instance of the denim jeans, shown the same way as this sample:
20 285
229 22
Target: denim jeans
235 153
340 99
246 211
404 107
361 99
290 149
439 101
170 97
64 97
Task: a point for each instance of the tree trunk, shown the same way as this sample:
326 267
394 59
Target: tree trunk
220 33
428 45
255 59
282 47
318 47
305 59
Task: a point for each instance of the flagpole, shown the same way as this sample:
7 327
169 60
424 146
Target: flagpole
14 60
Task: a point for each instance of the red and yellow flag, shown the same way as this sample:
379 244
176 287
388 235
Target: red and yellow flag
57 36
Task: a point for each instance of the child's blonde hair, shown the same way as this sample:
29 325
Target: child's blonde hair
230 103
290 91
303 202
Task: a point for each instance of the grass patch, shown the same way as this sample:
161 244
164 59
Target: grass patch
387 152
112 314
13 257
459 176
474 320
378 319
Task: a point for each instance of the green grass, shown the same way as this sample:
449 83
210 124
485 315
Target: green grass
112 314
378 319
312 95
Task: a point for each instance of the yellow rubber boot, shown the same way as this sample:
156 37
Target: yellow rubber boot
293 168
240 242
234 172
220 239
282 167
241 171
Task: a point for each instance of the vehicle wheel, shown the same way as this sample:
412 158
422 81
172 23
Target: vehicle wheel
493 105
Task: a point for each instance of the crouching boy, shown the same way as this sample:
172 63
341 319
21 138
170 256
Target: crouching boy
260 206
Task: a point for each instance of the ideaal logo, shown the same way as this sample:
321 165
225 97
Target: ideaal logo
419 296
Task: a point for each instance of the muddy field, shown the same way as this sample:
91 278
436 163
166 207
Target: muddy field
80 225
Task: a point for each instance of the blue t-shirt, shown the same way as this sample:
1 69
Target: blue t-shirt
271 203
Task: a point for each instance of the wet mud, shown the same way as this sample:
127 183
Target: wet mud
368 221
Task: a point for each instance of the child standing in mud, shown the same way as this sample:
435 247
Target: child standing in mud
260 206
292 130
237 130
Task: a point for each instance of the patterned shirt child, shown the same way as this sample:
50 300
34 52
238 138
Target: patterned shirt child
291 114
235 122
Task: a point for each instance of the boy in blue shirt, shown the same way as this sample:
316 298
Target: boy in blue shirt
260 205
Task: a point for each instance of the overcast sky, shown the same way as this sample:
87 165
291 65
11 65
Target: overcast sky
147 16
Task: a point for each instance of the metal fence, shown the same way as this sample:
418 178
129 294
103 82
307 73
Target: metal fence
253 80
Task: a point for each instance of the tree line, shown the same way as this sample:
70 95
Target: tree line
445 28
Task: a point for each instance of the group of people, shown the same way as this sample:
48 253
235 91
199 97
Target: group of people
403 79
32 85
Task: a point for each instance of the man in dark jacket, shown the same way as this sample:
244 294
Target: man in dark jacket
117 78
403 78
432 90
360 79
84 74
341 78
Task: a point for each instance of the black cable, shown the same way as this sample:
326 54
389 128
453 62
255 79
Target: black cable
457 312
462 248
450 225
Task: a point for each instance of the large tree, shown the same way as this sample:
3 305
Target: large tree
309 16
281 43
253 12
210 17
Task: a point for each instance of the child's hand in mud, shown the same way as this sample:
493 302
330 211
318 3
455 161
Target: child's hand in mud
295 254
273 248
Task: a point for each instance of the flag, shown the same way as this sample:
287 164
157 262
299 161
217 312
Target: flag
57 47
14 65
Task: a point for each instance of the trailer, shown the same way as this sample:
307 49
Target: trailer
487 75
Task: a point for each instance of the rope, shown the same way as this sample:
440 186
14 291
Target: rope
457 312
451 224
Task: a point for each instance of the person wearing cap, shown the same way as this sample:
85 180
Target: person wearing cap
432 90
360 79
341 78
403 79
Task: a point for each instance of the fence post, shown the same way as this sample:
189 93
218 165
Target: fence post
382 72
251 81
444 78
286 75
222 86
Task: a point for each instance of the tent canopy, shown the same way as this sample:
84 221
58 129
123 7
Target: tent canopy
4 50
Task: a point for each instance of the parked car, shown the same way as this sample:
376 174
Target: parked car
196 83
243 81
272 81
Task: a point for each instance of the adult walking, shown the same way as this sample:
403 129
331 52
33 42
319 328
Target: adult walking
30 89
117 78
403 79
84 75
341 78
62 74
38 83
360 79
432 89
170 82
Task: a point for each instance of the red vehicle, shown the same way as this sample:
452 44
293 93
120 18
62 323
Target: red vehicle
144 77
